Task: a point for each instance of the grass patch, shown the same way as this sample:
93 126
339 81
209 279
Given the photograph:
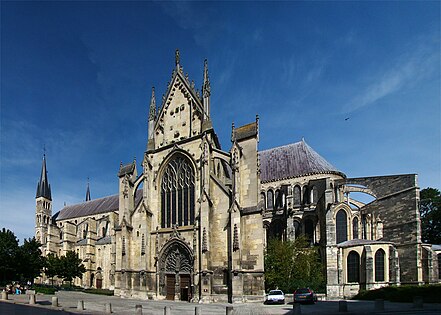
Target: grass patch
404 293
99 291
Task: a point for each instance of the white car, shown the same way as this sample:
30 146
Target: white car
275 296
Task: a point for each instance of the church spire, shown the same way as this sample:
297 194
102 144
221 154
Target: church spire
88 191
206 90
43 187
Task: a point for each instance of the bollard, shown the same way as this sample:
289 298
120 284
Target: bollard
4 295
167 310
138 309
108 308
342 306
31 299
418 302
55 301
197 310
80 305
379 305
297 310
229 310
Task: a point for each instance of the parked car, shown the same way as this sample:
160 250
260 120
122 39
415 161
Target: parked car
305 295
275 296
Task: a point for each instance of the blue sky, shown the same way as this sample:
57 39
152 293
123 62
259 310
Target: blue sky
76 77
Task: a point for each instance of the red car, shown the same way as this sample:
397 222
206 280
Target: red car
305 295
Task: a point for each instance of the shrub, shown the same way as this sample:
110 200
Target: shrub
404 293
45 290
98 291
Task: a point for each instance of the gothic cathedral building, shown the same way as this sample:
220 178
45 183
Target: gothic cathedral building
192 224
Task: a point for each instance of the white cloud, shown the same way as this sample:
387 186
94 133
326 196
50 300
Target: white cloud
407 69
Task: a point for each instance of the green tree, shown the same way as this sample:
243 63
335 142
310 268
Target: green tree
292 264
430 211
8 253
70 267
30 261
52 266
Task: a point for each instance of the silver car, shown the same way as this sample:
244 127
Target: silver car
275 296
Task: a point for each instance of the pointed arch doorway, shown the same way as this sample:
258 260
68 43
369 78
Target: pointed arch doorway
176 271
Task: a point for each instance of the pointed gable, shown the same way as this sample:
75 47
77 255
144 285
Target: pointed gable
181 113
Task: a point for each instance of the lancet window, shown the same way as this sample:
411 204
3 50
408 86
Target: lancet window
177 193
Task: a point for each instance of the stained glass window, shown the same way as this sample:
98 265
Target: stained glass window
177 193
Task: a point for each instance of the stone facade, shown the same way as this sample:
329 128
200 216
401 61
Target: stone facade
193 222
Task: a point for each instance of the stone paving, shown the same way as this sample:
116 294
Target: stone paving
96 304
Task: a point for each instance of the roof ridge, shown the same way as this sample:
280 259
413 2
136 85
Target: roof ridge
281 146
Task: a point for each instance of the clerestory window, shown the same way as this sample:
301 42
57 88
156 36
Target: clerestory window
177 193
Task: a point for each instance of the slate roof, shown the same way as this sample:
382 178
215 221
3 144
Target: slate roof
126 169
357 242
293 160
95 206
436 247
246 131
104 240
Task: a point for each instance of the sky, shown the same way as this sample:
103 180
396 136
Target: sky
360 81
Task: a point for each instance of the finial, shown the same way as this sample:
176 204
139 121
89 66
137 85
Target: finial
232 132
177 57
205 70
120 165
303 139
44 150
257 126
152 112
88 190
206 85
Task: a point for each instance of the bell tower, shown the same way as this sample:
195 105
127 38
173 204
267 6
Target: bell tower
43 211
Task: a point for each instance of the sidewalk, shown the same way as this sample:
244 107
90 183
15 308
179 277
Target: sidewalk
96 304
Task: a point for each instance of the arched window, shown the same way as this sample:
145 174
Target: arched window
379 265
305 195
297 198
278 199
296 228
309 230
177 193
341 226
353 264
269 199
314 194
355 228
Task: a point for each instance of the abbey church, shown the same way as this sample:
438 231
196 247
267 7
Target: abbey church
191 221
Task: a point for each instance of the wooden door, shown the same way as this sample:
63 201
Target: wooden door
99 283
170 287
185 287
